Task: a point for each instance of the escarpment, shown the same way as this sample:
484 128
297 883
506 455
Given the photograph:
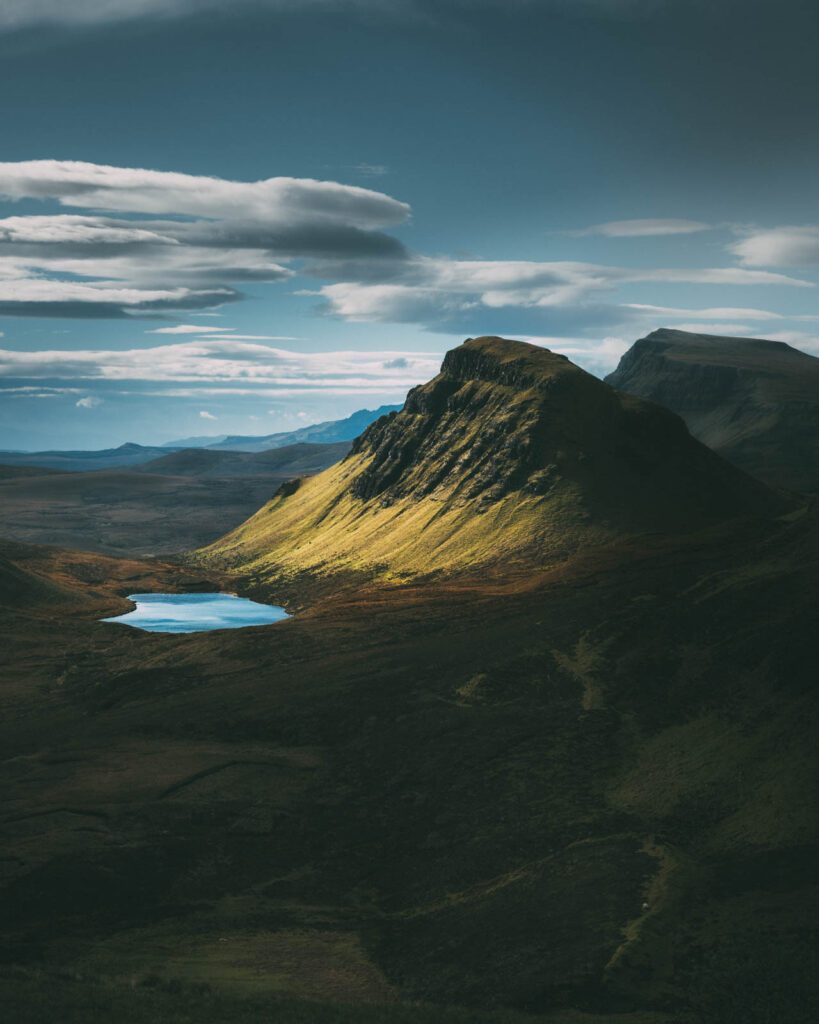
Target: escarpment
755 402
510 453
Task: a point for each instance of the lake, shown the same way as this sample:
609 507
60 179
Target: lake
196 613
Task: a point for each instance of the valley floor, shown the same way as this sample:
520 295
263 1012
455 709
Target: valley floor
586 794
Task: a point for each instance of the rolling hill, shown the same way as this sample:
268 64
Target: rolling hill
179 500
293 460
124 457
511 456
754 402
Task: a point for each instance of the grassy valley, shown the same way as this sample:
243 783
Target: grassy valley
539 745
174 501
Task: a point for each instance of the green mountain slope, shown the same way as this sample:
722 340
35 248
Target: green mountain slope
510 456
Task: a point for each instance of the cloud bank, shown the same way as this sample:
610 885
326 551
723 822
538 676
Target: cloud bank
437 290
218 366
779 247
176 241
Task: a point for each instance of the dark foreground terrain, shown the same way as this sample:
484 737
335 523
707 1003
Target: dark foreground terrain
581 790
590 789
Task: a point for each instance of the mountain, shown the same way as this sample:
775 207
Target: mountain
755 402
511 456
329 432
180 500
126 455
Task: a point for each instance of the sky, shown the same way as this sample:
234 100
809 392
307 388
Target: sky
242 216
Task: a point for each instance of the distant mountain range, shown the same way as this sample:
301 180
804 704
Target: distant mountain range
328 432
755 402
129 455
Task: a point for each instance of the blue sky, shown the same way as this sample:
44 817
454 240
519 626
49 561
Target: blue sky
240 217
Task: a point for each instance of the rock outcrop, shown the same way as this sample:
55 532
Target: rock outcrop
511 454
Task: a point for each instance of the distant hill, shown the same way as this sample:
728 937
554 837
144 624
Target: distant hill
328 432
755 402
511 454
292 460
180 500
82 461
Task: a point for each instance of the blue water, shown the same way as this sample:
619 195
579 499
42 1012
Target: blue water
196 613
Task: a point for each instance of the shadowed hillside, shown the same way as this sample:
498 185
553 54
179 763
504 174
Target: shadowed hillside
511 455
755 402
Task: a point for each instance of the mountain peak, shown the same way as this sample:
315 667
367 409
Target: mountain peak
504 361
511 454
717 345
753 400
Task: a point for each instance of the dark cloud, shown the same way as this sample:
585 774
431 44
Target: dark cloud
91 310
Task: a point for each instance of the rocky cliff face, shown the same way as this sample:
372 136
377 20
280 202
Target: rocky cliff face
504 417
755 402
510 453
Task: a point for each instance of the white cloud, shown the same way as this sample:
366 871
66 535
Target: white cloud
596 355
709 313
89 402
79 230
188 329
36 289
779 247
645 228
207 415
137 190
209 234
206 334
225 366
435 289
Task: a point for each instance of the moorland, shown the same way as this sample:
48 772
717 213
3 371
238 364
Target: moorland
537 745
